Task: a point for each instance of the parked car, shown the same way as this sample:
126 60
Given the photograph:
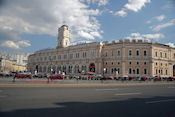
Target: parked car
56 76
23 75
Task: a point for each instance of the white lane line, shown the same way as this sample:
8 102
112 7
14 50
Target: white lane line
121 94
158 101
106 89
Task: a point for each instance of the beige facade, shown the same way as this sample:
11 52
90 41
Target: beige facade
132 58
9 65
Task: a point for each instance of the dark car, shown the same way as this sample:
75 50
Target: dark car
57 76
23 75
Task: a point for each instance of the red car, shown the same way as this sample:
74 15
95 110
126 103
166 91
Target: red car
57 76
23 76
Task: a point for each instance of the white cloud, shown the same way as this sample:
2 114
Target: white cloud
133 5
162 26
136 5
24 43
171 45
15 44
160 18
44 17
85 35
98 2
153 36
137 35
121 13
10 44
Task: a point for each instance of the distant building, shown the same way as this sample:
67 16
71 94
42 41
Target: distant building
9 66
131 58
19 58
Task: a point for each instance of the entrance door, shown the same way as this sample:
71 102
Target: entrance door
92 67
173 70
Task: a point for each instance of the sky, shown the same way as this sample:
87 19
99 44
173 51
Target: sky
31 25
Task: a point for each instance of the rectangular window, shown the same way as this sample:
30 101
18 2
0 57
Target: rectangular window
145 71
130 52
118 52
112 52
130 71
145 53
156 53
166 72
92 53
137 53
77 55
70 56
161 54
165 55
138 71
65 56
59 57
106 54
84 54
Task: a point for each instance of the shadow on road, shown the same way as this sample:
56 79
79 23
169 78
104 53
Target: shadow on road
137 107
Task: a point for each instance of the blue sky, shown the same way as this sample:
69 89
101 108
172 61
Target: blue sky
31 26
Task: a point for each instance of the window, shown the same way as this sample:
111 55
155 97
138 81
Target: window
118 63
138 71
137 63
144 63
77 55
174 55
92 53
145 53
165 55
112 71
156 71
130 52
106 54
161 71
161 64
112 63
166 72
130 62
137 53
70 56
106 63
145 71
84 54
65 56
156 63
118 52
156 53
161 54
130 71
59 57
112 52
54 57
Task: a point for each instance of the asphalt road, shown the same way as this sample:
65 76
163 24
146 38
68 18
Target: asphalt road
116 101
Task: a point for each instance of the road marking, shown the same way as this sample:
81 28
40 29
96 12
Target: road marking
106 89
121 94
158 101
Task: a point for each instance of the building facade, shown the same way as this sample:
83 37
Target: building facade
131 58
7 65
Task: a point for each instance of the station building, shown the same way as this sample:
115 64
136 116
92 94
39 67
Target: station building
125 57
